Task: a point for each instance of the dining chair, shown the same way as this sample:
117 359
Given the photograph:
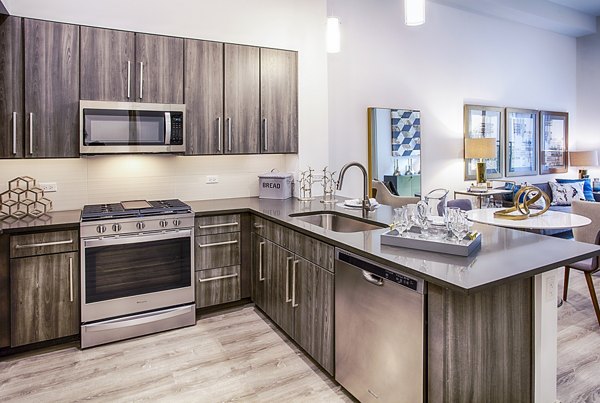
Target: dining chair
383 195
463 204
590 234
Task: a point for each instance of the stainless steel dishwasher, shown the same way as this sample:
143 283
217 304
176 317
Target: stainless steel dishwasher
379 331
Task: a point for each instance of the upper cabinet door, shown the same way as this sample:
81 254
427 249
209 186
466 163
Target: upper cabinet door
51 89
107 64
204 97
11 87
279 101
242 101
159 69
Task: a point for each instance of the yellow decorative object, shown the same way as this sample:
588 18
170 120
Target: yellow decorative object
530 195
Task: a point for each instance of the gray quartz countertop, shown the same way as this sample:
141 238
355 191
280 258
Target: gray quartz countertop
505 254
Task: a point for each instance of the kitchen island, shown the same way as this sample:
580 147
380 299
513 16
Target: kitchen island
491 317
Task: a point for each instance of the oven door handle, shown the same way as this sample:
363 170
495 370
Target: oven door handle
121 240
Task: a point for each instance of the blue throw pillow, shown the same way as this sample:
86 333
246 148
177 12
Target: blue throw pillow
509 197
587 187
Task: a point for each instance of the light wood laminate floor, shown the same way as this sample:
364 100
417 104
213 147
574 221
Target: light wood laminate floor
578 343
234 356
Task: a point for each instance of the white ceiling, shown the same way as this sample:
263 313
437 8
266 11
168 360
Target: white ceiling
568 17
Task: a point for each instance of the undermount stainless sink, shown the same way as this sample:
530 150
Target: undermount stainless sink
337 222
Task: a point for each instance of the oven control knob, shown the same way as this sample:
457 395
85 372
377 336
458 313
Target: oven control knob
140 225
116 227
177 222
163 223
101 229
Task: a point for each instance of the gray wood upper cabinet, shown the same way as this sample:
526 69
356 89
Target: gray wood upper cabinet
279 101
242 99
204 97
11 87
107 64
44 297
51 89
159 69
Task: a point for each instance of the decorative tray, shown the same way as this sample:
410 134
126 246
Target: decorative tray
413 240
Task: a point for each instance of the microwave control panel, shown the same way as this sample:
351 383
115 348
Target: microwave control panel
176 128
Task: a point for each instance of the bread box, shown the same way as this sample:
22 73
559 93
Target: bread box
275 185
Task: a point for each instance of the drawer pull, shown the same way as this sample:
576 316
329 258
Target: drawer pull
206 280
208 245
258 226
228 224
40 245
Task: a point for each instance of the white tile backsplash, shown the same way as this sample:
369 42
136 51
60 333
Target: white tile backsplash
102 179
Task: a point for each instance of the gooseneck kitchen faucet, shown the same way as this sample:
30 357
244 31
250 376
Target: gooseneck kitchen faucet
366 203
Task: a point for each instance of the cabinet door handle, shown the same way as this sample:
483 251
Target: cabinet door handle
206 280
141 80
219 137
266 134
39 245
287 279
71 279
208 245
128 79
14 132
30 132
294 304
260 261
258 226
228 134
227 224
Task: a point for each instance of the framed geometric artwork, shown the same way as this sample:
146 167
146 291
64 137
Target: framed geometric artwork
406 133
485 122
554 142
521 142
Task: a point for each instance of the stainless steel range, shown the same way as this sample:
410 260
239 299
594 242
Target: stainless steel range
137 269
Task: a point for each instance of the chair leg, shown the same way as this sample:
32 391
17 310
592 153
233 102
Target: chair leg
590 283
566 282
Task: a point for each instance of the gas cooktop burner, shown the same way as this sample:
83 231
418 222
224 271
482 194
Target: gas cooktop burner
133 208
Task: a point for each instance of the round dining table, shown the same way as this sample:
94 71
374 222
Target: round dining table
549 220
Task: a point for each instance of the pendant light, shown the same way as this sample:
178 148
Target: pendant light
333 35
414 12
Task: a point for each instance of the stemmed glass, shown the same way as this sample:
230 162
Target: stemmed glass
421 217
401 220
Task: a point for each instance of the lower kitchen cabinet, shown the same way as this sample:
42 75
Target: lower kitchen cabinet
44 297
217 286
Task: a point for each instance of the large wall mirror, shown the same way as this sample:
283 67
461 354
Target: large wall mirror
395 149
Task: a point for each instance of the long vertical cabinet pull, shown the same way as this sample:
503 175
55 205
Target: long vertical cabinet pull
14 132
71 279
260 261
228 134
141 80
287 279
31 133
219 137
266 135
128 79
294 304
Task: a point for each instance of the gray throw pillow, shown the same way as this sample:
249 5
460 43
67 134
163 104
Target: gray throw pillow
564 193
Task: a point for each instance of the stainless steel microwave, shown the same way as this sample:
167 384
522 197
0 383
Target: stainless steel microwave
131 127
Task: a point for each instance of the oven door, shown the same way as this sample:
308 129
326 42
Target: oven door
129 274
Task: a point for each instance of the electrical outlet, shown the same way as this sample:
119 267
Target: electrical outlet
551 288
49 187
211 179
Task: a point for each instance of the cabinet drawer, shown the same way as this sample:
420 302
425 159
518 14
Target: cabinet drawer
217 286
313 250
276 233
218 224
44 243
217 250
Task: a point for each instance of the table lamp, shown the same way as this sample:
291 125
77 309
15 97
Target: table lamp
583 159
480 148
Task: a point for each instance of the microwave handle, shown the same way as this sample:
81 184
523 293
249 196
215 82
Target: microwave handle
167 128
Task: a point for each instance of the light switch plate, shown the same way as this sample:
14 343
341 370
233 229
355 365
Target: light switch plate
211 179
49 187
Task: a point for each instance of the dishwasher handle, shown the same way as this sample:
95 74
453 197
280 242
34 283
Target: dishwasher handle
371 278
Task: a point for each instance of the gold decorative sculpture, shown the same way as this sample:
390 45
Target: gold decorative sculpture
23 198
525 197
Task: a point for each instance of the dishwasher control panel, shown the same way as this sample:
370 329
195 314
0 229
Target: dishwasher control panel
384 273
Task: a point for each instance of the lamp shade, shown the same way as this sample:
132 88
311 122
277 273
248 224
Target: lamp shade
480 148
583 158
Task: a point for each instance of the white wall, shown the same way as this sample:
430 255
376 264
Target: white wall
287 24
587 129
455 58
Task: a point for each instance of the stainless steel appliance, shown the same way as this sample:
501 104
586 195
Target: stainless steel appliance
137 269
379 331
131 127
